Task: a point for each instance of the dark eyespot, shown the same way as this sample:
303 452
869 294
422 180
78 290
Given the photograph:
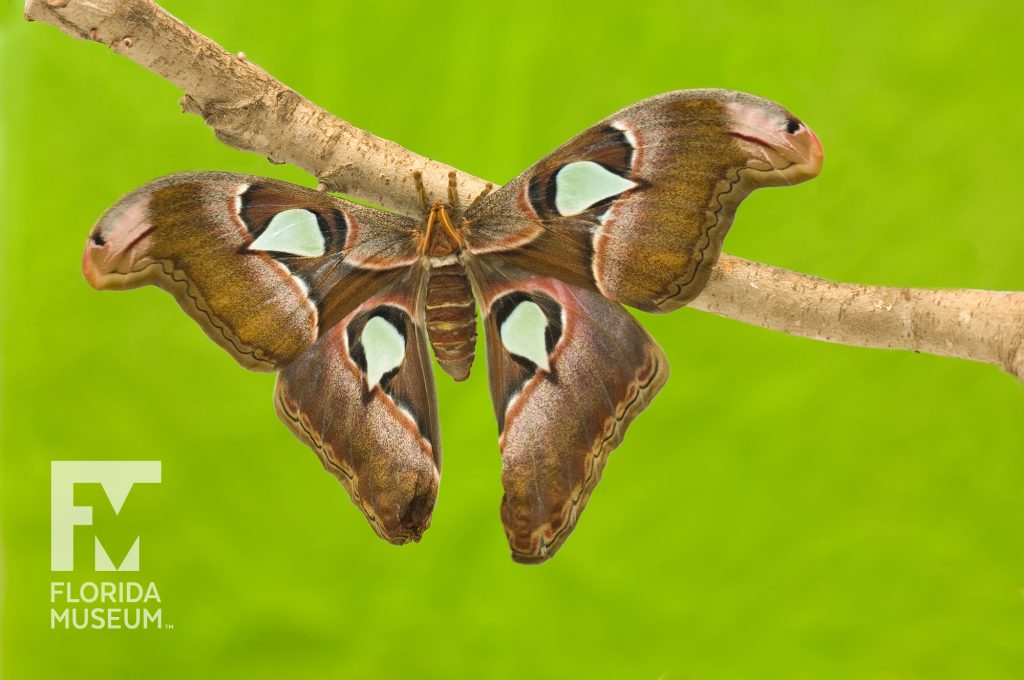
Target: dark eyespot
792 125
98 239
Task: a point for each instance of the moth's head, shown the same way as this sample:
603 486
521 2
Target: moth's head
776 144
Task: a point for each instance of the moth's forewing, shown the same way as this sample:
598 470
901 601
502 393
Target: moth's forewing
263 266
636 206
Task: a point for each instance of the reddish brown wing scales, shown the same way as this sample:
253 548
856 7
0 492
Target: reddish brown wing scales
375 430
563 401
636 207
218 242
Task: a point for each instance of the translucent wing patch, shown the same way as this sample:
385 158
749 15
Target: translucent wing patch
292 232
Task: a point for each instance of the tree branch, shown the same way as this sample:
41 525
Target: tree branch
252 111
981 325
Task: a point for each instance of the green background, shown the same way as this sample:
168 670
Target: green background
785 508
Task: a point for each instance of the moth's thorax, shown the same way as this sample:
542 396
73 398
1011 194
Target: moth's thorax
451 311
440 245
439 236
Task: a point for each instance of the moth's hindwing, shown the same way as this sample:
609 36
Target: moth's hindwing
636 207
363 399
263 266
569 370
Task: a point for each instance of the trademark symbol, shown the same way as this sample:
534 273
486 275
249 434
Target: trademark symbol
167 626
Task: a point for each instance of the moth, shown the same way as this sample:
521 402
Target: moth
347 302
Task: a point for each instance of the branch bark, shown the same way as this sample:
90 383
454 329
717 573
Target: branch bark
981 325
251 111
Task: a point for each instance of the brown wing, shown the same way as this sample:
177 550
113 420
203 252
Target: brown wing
636 207
265 267
569 371
363 399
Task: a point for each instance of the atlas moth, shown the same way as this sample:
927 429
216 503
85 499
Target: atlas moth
347 303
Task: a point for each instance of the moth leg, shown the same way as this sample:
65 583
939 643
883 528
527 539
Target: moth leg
487 189
421 191
453 191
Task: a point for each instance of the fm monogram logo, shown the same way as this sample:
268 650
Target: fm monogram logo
116 604
117 479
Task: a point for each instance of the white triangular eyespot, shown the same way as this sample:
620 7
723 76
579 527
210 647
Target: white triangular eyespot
295 232
384 348
523 332
582 184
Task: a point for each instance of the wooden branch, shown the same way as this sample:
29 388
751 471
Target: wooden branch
252 111
981 325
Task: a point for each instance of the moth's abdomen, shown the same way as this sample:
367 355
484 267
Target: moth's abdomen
451 318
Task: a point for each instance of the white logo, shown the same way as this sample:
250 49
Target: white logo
98 605
117 477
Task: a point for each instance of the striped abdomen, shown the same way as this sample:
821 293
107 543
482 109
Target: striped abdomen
451 318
